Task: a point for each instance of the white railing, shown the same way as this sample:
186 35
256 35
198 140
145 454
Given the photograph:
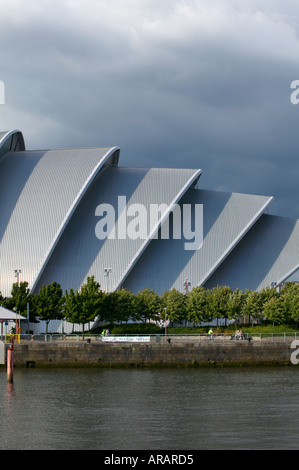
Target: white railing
161 338
273 337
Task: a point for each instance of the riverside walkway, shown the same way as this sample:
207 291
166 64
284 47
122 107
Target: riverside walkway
155 338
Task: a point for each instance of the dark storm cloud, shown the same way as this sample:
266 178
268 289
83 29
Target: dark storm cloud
180 83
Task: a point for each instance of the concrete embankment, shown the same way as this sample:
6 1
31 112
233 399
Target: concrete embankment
83 353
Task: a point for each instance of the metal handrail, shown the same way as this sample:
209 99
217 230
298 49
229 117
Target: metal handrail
176 337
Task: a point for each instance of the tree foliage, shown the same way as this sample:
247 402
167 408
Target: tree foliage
197 303
49 303
20 300
83 306
175 304
148 305
90 304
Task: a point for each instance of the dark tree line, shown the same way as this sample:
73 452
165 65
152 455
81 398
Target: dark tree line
90 303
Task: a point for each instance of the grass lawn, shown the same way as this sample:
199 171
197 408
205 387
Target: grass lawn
150 328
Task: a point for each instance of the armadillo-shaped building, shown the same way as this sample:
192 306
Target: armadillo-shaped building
72 213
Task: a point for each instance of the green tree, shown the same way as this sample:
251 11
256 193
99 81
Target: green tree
293 306
20 299
266 294
125 305
72 306
219 299
274 309
148 305
235 304
197 303
253 304
290 296
175 304
49 303
118 306
1 298
85 305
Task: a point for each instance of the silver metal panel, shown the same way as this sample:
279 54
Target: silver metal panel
80 253
11 141
268 253
226 219
4 135
39 191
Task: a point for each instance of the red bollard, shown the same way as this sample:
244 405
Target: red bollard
9 364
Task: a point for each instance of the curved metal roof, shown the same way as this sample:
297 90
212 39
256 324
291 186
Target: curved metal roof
227 217
268 253
80 253
39 191
11 141
50 200
4 135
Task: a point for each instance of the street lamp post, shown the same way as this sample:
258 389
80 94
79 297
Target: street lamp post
17 275
187 284
275 286
107 271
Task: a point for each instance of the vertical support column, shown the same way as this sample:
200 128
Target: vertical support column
9 364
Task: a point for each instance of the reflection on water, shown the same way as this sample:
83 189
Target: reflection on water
165 409
10 389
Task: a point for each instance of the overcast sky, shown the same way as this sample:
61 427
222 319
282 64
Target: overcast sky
174 83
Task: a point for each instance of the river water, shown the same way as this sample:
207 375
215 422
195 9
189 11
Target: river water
150 409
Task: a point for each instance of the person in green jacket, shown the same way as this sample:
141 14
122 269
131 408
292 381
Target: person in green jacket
210 333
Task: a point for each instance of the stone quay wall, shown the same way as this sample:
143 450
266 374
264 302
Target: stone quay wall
101 354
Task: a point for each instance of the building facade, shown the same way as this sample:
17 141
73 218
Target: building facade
72 213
